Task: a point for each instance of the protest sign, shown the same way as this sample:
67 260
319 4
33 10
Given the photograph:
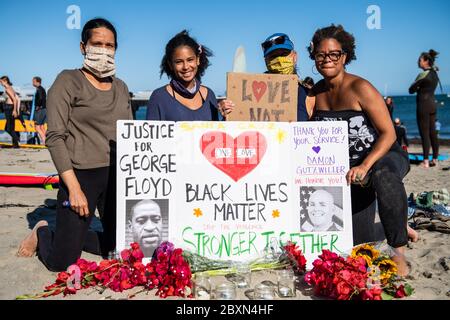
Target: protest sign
262 97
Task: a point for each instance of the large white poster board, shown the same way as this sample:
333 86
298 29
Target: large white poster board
146 169
232 188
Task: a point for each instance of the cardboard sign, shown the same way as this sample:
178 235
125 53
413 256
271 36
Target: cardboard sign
262 97
233 189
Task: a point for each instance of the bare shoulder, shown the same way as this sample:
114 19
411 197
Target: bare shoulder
360 85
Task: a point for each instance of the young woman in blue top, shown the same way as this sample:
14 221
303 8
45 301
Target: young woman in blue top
184 98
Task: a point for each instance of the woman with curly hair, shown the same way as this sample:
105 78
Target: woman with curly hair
373 150
425 85
184 98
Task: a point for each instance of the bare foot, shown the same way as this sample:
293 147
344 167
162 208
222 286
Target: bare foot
424 164
400 260
413 234
28 245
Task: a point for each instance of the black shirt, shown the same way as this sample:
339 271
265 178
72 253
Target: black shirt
40 98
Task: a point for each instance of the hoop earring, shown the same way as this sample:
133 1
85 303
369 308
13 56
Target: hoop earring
312 70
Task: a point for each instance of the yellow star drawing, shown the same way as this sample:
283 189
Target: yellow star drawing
275 213
281 135
198 212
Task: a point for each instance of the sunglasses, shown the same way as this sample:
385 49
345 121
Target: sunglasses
333 55
278 40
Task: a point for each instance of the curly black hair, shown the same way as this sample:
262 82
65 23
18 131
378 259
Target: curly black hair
184 39
338 33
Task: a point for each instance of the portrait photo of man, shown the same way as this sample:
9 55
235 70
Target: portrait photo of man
147 224
321 209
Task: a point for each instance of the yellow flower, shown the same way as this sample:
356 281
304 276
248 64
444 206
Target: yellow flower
368 252
388 268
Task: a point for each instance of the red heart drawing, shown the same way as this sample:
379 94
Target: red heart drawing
259 88
235 157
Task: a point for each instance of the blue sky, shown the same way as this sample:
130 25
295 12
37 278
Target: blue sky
36 41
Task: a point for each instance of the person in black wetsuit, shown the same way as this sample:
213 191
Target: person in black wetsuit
425 85
390 105
400 132
373 150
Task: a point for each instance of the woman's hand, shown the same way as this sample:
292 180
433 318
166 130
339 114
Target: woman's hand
77 199
357 174
15 114
226 107
78 202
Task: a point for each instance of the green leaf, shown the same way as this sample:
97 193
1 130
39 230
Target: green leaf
408 289
386 296
24 297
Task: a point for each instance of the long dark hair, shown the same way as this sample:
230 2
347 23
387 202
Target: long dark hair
429 56
337 33
6 78
94 24
184 39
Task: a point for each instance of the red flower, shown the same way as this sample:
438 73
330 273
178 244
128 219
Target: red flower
400 292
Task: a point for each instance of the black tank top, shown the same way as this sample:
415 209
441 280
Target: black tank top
362 135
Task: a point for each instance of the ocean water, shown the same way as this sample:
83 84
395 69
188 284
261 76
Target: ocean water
404 108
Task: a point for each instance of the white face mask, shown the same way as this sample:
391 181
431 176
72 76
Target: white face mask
100 61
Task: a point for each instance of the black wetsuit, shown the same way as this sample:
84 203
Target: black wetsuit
425 85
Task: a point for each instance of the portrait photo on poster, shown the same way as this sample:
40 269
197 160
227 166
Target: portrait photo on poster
321 209
147 223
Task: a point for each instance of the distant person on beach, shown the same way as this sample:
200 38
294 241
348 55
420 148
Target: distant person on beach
438 126
11 109
390 105
184 98
146 226
400 132
308 82
425 85
372 147
40 108
83 107
281 58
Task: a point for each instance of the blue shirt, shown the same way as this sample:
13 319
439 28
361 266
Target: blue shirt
302 114
163 106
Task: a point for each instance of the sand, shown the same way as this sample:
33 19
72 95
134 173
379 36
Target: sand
21 208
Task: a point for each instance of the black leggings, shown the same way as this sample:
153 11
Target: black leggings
426 121
387 185
59 249
10 125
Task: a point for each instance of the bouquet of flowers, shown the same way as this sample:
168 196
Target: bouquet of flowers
295 256
168 272
366 274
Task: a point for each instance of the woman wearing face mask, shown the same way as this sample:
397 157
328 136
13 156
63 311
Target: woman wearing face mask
83 106
280 58
184 98
372 140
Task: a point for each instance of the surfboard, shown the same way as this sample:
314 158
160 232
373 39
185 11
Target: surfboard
29 125
25 146
416 157
28 179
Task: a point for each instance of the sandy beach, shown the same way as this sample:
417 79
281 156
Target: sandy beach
21 208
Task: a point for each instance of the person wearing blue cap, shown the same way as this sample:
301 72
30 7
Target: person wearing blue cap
280 58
